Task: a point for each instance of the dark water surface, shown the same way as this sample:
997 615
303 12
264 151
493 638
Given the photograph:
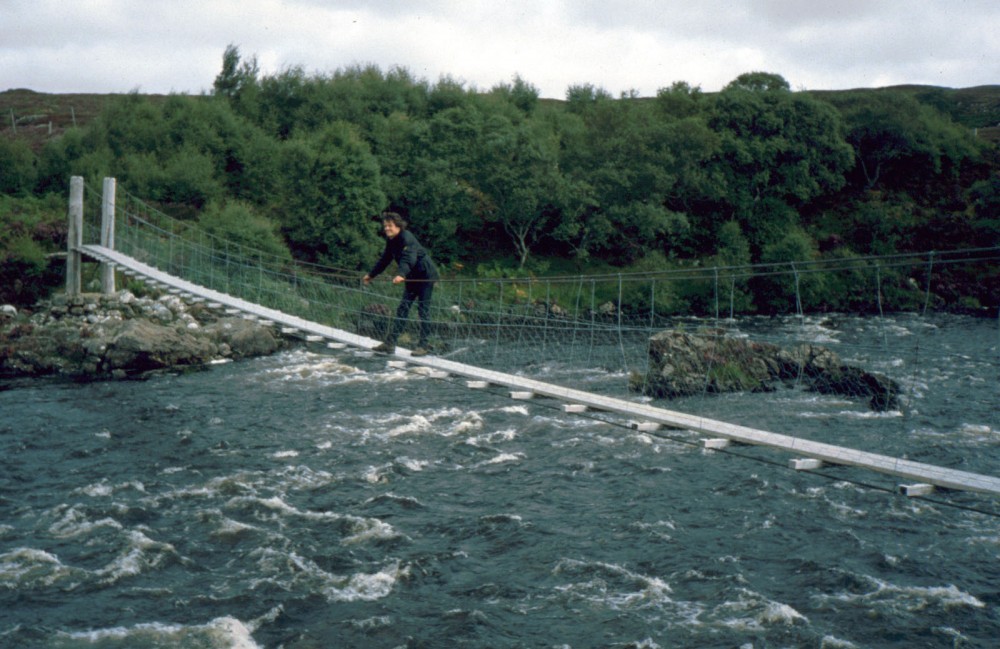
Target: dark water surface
319 499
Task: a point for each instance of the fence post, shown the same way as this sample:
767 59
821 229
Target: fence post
108 235
74 238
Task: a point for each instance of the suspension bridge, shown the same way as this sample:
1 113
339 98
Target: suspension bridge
324 306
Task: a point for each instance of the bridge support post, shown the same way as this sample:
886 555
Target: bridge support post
108 235
74 238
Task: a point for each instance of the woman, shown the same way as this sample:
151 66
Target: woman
417 270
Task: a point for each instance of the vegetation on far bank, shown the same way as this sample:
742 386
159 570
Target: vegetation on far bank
500 182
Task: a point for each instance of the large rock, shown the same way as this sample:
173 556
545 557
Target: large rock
243 338
94 336
143 345
684 364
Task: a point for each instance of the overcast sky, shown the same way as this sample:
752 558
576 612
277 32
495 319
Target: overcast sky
162 46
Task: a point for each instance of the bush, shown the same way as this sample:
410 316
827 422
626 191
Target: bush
22 266
30 228
237 222
646 295
783 288
18 167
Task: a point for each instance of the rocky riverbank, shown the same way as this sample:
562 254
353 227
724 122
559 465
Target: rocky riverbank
94 336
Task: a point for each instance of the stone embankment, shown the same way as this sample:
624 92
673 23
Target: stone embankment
682 364
93 336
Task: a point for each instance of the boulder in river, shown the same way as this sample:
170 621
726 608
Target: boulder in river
682 364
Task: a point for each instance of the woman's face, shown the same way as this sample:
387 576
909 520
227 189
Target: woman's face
390 229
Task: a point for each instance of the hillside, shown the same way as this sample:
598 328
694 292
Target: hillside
38 117
977 108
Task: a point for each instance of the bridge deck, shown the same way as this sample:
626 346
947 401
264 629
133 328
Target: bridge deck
828 453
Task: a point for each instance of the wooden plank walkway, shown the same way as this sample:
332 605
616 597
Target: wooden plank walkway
577 400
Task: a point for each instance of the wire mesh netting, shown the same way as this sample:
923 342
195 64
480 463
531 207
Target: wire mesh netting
627 325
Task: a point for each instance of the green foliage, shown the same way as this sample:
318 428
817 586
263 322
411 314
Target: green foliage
519 94
425 173
680 100
985 198
902 143
731 289
517 177
779 151
730 376
239 223
187 178
685 180
330 198
18 171
580 98
661 295
23 252
879 227
236 77
56 159
30 228
625 166
759 82
849 289
783 287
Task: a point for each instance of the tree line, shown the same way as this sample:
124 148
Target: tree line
501 182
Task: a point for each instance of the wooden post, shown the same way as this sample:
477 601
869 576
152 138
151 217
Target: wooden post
108 235
74 238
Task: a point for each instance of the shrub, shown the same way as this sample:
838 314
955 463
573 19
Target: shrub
18 167
29 229
237 222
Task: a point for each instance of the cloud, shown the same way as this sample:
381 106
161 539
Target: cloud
642 45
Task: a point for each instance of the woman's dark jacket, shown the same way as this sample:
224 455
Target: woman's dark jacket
414 262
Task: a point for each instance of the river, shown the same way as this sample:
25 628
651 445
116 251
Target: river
319 499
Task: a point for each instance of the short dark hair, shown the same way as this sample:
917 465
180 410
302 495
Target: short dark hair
395 218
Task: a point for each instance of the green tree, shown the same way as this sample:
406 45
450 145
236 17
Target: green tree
733 258
759 82
900 143
581 98
448 93
517 173
425 174
518 93
240 223
624 161
187 179
331 193
787 287
57 158
236 76
680 100
779 150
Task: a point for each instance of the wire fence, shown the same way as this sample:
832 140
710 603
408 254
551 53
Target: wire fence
627 324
